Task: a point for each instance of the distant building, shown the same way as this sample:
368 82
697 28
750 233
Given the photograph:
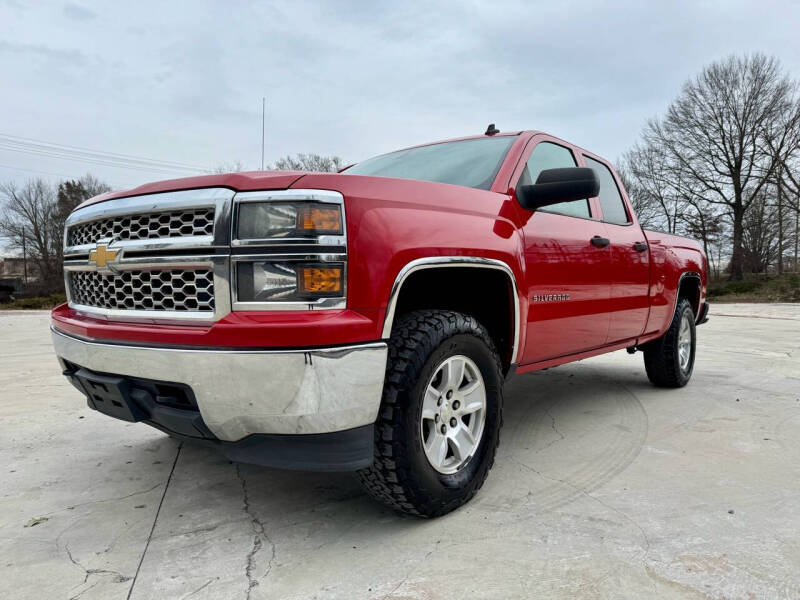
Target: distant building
12 273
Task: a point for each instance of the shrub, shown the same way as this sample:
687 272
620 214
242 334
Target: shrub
37 302
742 287
716 290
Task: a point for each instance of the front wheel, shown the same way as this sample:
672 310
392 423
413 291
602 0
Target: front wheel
669 360
440 416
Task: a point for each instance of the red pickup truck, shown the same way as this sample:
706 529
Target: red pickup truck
367 320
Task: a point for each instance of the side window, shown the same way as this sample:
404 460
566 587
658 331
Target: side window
547 155
610 199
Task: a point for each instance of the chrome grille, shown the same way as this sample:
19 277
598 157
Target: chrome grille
180 290
179 223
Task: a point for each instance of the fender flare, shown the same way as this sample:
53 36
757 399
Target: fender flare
687 275
438 262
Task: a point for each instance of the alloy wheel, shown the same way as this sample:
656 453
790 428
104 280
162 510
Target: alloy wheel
453 414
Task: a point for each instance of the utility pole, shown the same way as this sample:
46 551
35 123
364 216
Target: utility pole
263 121
24 260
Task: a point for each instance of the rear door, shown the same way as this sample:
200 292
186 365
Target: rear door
567 272
629 303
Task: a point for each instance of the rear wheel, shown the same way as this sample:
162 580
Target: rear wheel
669 360
440 417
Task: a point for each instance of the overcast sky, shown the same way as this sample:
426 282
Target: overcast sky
183 81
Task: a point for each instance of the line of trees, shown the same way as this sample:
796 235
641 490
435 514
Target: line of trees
310 162
319 163
32 220
723 165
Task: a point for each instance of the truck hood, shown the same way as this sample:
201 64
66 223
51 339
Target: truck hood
356 188
252 180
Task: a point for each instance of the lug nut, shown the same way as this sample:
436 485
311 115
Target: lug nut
449 394
436 418
439 401
456 404
444 428
452 421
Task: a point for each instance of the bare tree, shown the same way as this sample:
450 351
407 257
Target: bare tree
228 167
655 185
723 132
645 205
702 221
32 221
788 182
309 162
29 222
669 197
93 186
72 193
761 243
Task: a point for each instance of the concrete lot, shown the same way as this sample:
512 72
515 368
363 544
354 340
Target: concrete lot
604 487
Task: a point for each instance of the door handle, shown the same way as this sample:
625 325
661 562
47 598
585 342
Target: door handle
600 242
640 246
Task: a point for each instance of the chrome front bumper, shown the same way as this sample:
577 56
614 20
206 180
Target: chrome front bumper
244 392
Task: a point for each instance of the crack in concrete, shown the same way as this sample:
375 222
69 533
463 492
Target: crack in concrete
79 594
408 574
203 529
259 535
119 577
201 588
553 423
553 427
155 520
90 502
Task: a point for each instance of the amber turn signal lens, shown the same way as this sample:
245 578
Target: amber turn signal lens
319 218
320 280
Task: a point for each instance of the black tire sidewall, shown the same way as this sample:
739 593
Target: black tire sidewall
661 357
439 487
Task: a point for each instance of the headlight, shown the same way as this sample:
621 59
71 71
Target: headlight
288 250
263 281
270 220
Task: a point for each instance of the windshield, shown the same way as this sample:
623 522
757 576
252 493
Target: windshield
471 163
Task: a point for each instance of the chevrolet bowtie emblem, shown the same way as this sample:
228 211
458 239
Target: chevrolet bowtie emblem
101 256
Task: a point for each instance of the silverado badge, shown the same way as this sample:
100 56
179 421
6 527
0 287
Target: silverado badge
549 297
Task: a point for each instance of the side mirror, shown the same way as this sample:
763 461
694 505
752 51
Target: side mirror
559 185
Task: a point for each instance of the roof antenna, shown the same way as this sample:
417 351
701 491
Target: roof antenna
491 129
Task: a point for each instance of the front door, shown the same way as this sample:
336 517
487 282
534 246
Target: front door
567 268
